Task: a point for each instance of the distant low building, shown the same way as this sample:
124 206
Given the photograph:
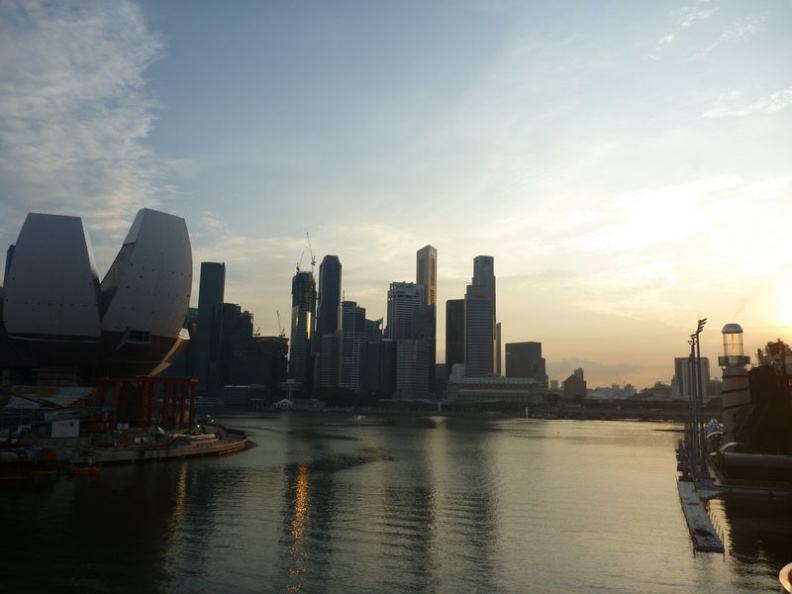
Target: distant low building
506 390
575 386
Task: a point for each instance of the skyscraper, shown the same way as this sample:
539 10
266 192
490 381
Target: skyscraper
405 302
480 320
329 303
409 327
455 333
426 273
303 321
325 347
353 346
211 291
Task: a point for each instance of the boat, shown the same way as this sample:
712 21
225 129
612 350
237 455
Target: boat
79 470
27 463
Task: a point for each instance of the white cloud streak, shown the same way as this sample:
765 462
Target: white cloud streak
74 112
742 29
729 105
684 18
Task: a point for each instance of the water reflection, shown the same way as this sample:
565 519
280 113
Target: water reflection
299 515
756 529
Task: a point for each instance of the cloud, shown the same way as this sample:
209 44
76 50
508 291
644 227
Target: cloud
742 29
74 113
728 105
684 18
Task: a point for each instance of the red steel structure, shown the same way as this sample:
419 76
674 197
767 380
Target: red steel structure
144 402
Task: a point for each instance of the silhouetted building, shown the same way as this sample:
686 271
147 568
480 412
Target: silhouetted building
410 320
480 320
303 322
353 346
325 346
9 257
683 376
524 359
329 299
230 326
371 356
455 333
426 275
211 291
262 361
575 386
405 301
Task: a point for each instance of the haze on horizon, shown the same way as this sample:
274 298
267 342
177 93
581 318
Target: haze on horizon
626 164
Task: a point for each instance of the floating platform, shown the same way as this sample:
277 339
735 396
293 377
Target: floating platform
703 534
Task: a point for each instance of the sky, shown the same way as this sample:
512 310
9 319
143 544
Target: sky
627 164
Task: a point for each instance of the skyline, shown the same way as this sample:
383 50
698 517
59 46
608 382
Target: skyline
627 166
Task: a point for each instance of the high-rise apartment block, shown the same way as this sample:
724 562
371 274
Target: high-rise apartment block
684 374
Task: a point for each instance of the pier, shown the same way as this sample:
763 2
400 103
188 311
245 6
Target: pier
702 532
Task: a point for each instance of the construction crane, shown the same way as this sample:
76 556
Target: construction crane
281 329
310 250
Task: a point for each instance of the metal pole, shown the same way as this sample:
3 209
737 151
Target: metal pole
700 393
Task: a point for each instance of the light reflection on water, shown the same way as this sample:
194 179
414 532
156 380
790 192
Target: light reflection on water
395 505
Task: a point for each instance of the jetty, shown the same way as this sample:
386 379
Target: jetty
702 532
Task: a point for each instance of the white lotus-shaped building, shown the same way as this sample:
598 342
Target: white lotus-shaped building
56 314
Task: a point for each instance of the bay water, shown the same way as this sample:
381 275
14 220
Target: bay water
358 504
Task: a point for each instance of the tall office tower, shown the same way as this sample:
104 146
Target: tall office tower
455 333
211 291
325 347
480 320
329 304
405 302
426 273
684 374
303 322
524 359
353 346
408 322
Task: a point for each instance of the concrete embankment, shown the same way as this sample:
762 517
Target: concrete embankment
117 449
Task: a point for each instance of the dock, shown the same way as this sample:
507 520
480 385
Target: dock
703 534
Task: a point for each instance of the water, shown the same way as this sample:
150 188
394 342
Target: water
329 504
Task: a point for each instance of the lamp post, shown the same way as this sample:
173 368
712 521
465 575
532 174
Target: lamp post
700 396
698 455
